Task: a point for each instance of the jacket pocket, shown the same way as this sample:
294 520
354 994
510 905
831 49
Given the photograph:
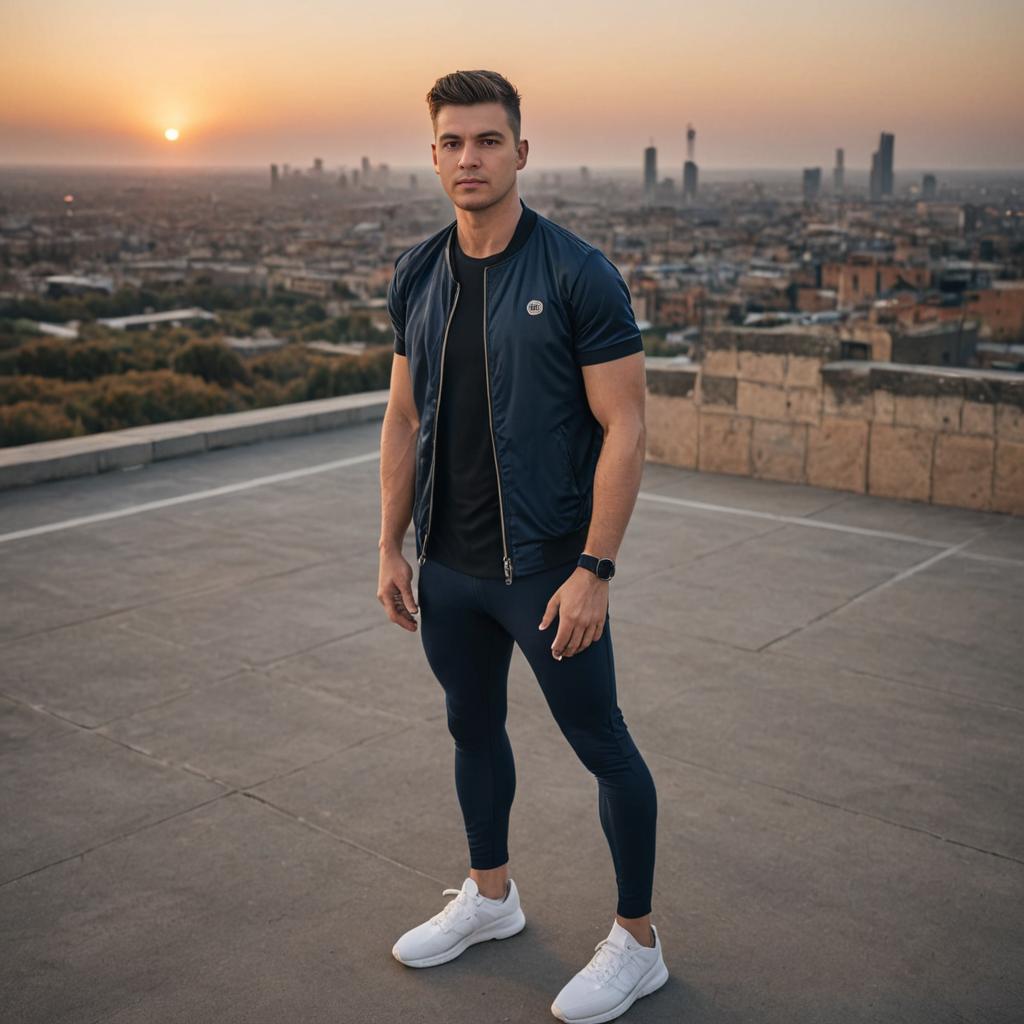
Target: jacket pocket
570 468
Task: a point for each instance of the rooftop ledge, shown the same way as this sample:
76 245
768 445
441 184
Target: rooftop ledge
772 404
120 449
858 375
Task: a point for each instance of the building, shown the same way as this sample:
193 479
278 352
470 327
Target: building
812 183
77 284
690 167
937 344
881 167
862 278
885 158
929 187
689 180
255 345
150 321
650 170
1000 308
839 174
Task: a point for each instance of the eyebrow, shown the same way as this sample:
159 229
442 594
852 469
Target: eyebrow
481 135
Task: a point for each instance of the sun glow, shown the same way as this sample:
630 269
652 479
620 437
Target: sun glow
171 134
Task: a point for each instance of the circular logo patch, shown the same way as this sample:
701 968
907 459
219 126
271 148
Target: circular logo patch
534 306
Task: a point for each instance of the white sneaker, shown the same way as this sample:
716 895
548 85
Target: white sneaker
467 919
620 972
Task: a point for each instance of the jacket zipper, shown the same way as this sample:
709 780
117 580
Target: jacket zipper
506 561
437 406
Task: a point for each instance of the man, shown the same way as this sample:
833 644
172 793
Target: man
514 438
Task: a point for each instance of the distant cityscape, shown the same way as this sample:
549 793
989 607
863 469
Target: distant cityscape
925 269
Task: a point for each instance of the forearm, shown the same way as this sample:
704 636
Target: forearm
617 478
397 479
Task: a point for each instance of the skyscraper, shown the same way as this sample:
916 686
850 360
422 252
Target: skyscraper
839 173
881 167
650 169
812 182
273 178
885 153
690 167
929 187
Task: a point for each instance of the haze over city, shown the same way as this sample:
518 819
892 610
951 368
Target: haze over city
768 86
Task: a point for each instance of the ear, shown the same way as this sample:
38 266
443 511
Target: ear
521 154
433 157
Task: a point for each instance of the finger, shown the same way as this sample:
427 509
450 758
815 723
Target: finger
573 645
587 639
562 639
549 612
397 610
406 591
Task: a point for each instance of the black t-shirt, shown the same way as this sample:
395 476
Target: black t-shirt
465 532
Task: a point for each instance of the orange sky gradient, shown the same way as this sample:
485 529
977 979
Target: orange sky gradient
766 85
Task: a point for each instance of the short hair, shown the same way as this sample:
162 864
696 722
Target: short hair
464 88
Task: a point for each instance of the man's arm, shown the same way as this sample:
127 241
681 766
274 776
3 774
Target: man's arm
615 392
609 350
397 490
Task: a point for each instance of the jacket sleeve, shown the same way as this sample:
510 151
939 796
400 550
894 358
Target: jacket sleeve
396 310
604 326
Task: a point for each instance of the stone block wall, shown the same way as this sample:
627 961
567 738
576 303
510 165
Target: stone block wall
780 405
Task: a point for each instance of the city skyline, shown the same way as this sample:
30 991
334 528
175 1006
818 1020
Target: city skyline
768 87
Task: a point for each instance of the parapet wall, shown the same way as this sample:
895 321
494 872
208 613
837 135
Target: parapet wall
779 405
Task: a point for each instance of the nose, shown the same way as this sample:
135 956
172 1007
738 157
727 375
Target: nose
468 157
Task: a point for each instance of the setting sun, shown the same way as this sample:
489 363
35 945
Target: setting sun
171 134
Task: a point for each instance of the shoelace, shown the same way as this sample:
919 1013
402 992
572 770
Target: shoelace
606 961
446 918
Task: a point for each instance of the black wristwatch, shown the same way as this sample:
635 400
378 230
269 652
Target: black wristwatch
602 568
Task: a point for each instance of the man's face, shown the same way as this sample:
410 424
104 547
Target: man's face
475 155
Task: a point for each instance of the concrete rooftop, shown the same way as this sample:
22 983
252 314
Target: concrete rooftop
228 778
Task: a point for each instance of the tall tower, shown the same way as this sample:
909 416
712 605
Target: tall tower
875 187
273 178
839 173
929 187
881 167
318 165
690 167
812 183
650 169
885 150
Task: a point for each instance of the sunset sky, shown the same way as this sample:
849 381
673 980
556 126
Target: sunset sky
765 84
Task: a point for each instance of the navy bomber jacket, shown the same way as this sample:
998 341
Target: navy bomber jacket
554 305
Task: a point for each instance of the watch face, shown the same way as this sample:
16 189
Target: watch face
605 568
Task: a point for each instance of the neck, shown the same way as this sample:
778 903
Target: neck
486 232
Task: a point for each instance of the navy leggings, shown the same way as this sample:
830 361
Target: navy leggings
468 626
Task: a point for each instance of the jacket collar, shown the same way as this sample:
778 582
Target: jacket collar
524 228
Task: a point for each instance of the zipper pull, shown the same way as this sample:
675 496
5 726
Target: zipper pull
508 569
423 558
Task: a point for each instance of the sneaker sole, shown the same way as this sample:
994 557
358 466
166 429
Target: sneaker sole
650 982
498 930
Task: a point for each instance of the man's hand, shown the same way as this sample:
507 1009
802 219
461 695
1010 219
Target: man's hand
394 589
581 603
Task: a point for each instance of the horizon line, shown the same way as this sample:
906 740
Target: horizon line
264 167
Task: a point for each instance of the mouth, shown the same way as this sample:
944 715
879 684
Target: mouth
471 181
